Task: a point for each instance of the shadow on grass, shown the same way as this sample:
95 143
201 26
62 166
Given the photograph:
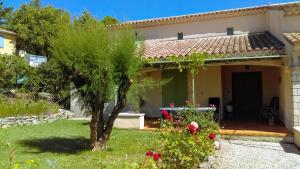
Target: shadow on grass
57 144
86 123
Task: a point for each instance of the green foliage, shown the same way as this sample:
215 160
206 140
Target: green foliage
192 62
183 149
36 26
96 60
50 78
12 68
24 107
108 20
5 13
85 18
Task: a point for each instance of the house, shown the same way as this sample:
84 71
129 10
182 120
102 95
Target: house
7 42
261 49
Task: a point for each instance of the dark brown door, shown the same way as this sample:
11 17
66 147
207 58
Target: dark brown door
247 95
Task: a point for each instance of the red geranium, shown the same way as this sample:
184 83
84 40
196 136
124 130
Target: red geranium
191 129
211 136
149 153
166 115
156 156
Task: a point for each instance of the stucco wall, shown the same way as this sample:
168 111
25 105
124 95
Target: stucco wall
286 112
153 100
291 23
274 22
270 81
9 44
208 84
253 23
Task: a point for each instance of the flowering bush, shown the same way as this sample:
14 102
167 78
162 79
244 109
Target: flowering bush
187 138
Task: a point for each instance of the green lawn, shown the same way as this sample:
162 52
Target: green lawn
66 142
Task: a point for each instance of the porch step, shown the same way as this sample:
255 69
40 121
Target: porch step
287 139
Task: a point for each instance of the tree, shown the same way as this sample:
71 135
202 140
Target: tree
5 12
99 63
108 20
36 26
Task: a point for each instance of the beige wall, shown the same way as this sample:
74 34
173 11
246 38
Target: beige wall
9 44
253 23
291 23
274 22
270 80
208 83
153 99
286 112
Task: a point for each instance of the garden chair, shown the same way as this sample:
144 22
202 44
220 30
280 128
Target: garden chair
271 111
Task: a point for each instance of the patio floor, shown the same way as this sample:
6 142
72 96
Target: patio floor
254 128
240 128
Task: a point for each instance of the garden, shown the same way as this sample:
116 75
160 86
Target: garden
100 66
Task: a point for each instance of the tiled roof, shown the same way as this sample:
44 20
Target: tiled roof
288 9
292 37
255 44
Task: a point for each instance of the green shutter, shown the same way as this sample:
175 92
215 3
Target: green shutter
176 91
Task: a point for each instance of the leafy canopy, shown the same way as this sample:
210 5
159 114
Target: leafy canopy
36 26
97 60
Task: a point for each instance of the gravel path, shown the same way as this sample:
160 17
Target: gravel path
235 154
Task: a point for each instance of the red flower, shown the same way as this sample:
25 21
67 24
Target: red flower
149 153
166 115
198 130
211 136
156 156
172 105
192 129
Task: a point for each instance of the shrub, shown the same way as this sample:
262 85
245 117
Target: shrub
12 68
187 138
21 107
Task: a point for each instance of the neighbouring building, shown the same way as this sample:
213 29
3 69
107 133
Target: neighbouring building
7 42
261 46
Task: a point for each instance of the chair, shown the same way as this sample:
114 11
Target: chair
216 102
271 111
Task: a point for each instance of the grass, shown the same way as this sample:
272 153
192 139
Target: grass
23 107
66 142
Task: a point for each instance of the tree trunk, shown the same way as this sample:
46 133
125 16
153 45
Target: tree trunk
121 103
93 128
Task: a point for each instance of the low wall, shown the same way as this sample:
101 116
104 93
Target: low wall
129 121
297 136
32 120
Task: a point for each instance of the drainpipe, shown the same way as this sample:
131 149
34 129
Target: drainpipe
193 89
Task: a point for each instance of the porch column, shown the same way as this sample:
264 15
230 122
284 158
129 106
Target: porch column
295 72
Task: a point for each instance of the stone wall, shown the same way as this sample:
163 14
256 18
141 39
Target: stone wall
32 120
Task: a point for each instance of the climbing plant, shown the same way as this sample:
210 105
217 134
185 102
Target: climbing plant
192 62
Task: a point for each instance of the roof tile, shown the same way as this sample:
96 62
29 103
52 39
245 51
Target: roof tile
228 45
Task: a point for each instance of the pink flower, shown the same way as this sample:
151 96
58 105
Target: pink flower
188 102
156 156
149 153
195 124
172 105
211 136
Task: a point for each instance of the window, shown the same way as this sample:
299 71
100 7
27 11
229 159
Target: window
1 42
180 36
230 31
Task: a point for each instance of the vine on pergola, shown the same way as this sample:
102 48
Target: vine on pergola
192 62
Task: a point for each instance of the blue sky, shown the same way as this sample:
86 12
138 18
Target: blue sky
126 10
